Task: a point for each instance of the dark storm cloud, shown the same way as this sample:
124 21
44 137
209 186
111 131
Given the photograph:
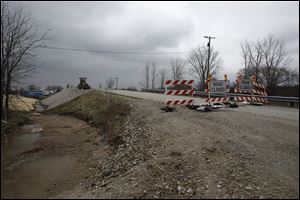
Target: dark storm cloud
151 27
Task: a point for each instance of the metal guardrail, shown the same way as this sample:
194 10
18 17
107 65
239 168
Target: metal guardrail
270 98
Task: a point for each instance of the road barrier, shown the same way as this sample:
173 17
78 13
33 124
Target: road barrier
245 86
179 82
217 99
167 92
214 86
217 94
179 102
179 92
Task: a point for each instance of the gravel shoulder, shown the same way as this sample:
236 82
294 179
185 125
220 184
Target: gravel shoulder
229 153
221 154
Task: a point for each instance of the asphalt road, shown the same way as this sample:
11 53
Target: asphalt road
265 110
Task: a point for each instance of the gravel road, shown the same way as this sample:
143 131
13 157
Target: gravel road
246 152
233 153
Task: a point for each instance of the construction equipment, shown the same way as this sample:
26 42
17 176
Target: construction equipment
82 84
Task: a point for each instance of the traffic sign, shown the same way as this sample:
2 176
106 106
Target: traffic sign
245 84
218 86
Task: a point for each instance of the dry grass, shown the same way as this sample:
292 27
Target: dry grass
21 103
106 111
16 118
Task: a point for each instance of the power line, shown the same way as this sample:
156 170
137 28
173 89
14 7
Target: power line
109 52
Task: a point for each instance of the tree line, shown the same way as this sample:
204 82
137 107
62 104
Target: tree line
268 59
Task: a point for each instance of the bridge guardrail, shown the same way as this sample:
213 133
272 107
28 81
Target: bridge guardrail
270 98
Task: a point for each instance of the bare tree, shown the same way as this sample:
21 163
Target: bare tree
253 59
110 82
153 74
146 76
19 40
245 47
291 77
199 67
162 75
276 61
268 60
177 66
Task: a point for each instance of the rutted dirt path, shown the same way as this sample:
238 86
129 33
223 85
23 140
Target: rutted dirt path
41 164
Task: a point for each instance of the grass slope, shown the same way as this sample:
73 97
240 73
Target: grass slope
106 111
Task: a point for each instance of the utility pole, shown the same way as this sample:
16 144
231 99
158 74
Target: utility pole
208 58
117 82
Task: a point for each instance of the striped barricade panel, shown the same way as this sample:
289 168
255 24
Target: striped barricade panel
236 90
179 92
243 98
255 99
179 102
260 99
259 85
259 92
217 99
179 82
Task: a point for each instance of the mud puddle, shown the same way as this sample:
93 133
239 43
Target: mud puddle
39 177
13 146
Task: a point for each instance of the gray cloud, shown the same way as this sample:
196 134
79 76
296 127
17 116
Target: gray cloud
151 27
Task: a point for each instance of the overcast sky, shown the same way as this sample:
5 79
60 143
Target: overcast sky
151 27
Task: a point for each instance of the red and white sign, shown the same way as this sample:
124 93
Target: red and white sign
256 99
217 99
236 90
259 85
179 102
243 98
179 82
252 88
179 92
259 92
259 99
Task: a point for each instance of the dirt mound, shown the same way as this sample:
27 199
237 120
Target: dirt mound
62 97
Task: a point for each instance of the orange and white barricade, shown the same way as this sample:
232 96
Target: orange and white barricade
178 92
216 86
259 91
250 87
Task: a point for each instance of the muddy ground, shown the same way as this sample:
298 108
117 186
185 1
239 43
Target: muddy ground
184 154
40 164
